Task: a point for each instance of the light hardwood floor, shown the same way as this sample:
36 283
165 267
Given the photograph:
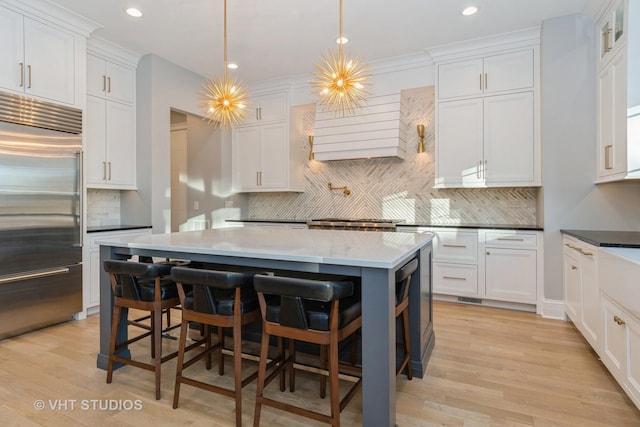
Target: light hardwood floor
490 367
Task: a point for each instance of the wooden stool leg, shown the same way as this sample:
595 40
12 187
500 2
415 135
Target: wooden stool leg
334 385
207 332
262 373
181 349
407 342
221 339
292 369
112 343
237 366
153 339
323 365
157 340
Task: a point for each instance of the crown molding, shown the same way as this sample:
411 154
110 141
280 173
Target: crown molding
49 12
481 46
114 52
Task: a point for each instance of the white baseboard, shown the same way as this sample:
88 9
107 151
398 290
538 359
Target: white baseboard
553 309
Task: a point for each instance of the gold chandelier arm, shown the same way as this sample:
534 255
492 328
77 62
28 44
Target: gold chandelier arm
225 40
340 35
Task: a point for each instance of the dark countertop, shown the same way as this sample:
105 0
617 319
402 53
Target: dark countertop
615 239
410 224
121 227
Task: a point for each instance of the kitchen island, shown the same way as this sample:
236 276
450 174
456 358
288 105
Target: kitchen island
374 257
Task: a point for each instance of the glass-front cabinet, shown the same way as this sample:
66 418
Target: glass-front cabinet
612 30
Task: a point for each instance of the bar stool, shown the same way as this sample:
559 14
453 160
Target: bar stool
140 286
403 280
322 312
222 299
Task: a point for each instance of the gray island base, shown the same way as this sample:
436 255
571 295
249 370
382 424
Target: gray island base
374 257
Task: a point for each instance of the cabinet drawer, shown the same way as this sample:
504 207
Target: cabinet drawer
512 239
455 279
455 246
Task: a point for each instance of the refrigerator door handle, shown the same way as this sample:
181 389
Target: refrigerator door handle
80 171
10 278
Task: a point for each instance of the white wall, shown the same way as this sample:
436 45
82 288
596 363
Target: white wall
570 199
161 86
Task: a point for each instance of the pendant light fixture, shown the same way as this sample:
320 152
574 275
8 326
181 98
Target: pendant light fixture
340 81
225 99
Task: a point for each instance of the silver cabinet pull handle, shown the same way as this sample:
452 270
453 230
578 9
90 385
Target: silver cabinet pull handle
257 114
21 74
454 278
448 245
109 171
479 169
104 83
511 239
480 81
109 84
104 171
28 76
486 82
40 273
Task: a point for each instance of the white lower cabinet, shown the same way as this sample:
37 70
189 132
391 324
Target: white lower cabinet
496 267
505 277
92 267
581 290
621 347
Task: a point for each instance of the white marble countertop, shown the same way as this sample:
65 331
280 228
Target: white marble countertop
340 247
630 254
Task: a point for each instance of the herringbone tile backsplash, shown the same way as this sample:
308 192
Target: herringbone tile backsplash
393 188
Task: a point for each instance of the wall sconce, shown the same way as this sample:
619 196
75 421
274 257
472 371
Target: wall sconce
311 156
420 129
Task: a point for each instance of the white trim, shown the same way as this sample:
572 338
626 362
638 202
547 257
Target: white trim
486 45
52 13
113 52
553 309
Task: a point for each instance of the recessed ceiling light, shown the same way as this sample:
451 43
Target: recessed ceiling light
232 65
342 40
132 11
469 10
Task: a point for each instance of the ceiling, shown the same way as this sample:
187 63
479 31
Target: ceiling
272 39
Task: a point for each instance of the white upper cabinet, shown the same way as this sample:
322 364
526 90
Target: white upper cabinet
110 80
488 113
36 59
42 52
268 108
267 150
491 74
110 151
618 99
612 28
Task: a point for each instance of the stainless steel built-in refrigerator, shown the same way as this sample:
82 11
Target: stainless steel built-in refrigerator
40 214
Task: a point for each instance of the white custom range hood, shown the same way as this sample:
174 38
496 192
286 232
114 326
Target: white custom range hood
375 130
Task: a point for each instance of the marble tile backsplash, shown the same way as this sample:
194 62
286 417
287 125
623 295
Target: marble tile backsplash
394 188
103 207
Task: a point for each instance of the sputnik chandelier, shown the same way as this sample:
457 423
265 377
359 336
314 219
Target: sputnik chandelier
340 80
225 99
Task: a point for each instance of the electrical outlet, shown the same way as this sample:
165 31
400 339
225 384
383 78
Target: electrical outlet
196 205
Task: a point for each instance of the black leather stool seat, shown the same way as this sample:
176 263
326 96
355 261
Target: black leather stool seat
213 292
305 303
317 312
136 281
